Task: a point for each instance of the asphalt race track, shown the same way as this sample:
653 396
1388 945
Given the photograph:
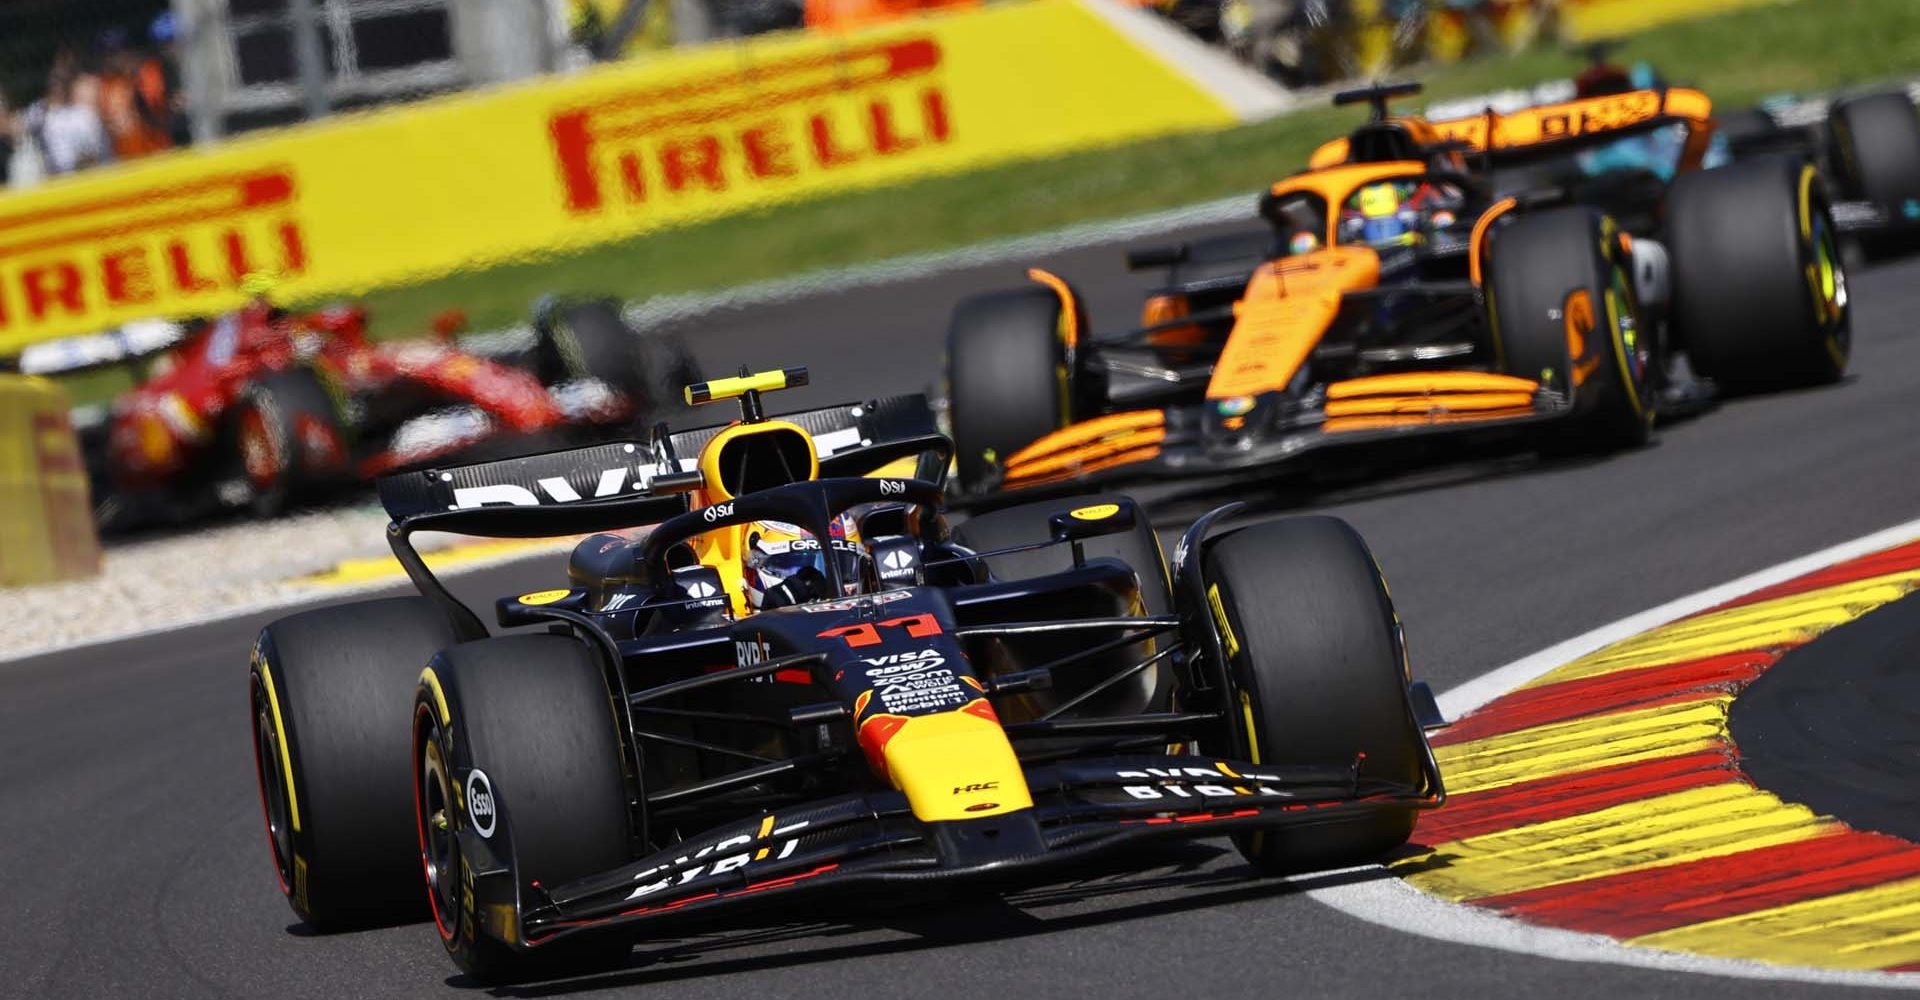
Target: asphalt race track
1832 725
130 825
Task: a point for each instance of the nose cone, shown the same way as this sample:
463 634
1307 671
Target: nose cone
954 765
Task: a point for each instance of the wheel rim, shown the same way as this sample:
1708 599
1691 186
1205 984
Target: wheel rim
1827 277
1636 351
439 850
273 791
259 452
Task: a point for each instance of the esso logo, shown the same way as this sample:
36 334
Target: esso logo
717 511
480 805
892 487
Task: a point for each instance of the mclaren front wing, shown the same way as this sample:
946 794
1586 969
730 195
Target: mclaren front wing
1243 432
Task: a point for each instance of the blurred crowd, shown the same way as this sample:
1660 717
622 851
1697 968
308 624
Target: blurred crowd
119 100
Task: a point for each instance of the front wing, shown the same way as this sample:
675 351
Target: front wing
1082 809
1206 438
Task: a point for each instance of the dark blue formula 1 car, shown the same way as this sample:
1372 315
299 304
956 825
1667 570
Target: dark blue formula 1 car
798 680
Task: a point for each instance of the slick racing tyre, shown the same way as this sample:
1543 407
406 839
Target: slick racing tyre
1560 293
1759 292
332 706
514 743
1010 377
582 340
1319 676
1876 142
1139 549
286 438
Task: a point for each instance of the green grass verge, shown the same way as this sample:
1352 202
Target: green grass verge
1737 57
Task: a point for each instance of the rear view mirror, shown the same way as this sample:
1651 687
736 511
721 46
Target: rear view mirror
1093 520
1142 258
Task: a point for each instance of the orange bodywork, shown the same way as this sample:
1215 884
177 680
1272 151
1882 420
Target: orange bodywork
1424 397
1406 399
1160 309
1288 304
1094 444
1069 306
1477 250
1331 153
1572 119
1552 123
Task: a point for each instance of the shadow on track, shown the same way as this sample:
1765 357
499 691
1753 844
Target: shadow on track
1382 474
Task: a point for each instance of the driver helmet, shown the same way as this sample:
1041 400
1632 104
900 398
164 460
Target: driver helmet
784 564
1386 219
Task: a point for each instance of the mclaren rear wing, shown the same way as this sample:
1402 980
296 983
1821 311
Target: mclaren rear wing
629 484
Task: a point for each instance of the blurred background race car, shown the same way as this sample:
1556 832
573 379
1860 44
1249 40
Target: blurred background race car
262 408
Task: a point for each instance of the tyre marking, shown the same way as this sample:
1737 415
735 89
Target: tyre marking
432 682
1806 201
1226 627
280 734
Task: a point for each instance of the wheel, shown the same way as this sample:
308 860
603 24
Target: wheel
1319 674
578 340
1560 293
1010 377
1139 549
1876 142
331 692
1746 131
287 437
1759 290
531 714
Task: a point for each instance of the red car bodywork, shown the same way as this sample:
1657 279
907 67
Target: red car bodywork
175 423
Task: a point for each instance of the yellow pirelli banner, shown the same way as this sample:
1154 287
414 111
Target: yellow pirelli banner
46 518
1590 19
381 198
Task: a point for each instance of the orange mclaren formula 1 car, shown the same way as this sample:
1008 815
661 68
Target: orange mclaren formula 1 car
1404 287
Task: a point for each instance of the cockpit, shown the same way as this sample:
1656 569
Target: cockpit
766 531
1400 212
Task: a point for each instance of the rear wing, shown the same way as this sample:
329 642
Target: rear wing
852 439
94 351
606 486
1527 128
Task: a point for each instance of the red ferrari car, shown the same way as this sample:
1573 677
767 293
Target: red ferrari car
261 407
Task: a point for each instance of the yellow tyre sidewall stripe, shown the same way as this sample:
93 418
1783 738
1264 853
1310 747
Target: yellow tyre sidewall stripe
280 734
431 681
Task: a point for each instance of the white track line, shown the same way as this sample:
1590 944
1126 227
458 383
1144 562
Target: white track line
1392 903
